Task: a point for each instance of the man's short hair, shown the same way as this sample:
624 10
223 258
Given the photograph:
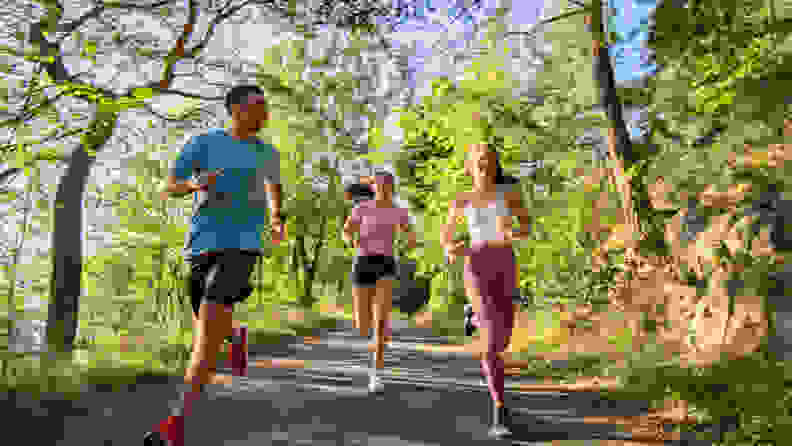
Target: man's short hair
241 94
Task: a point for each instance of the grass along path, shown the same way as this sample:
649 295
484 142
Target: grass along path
106 358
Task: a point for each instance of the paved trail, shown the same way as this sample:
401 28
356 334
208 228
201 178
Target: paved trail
428 400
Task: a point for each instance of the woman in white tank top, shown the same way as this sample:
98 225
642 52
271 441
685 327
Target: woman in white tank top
490 265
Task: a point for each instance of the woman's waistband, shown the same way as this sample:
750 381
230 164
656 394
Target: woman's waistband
477 245
374 254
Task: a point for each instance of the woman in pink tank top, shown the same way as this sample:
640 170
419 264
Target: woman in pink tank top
376 221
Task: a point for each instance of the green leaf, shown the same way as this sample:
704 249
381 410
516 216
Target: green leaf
89 48
143 93
377 137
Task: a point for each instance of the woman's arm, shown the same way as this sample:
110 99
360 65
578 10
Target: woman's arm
449 229
412 238
351 227
453 249
515 203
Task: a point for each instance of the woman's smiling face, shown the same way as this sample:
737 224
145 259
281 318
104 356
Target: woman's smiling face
481 161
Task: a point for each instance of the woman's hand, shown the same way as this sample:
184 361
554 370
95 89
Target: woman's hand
456 249
511 235
351 241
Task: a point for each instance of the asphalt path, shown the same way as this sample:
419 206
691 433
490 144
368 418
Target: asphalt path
316 394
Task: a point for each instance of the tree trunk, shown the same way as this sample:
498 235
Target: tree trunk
619 145
66 279
300 263
311 273
294 265
296 262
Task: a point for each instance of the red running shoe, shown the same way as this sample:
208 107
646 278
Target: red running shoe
170 432
237 352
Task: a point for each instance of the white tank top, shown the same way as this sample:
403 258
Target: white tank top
482 222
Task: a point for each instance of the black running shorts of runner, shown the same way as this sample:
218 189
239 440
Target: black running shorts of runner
367 270
221 277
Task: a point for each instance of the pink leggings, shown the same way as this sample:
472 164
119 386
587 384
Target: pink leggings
491 271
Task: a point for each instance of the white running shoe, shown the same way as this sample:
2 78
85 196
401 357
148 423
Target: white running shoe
375 383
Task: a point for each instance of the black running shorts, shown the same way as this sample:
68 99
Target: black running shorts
221 277
367 270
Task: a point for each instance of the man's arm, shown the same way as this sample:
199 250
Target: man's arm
179 183
273 186
275 198
180 188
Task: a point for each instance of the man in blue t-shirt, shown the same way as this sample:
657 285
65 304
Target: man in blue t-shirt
232 176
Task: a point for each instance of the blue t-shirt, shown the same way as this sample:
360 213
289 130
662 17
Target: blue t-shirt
232 213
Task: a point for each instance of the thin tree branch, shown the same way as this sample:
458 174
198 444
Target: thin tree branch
5 147
163 117
36 158
192 52
535 30
69 27
12 172
25 115
165 91
178 52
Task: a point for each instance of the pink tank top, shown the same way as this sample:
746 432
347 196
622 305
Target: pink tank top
377 227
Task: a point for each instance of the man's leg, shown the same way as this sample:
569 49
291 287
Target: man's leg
214 324
225 283
198 276
227 336
198 269
207 338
